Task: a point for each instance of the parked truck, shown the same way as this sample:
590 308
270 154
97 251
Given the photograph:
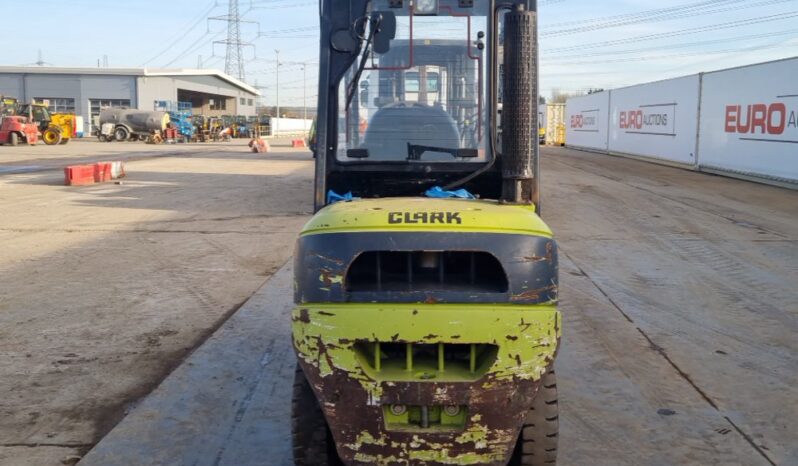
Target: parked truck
120 124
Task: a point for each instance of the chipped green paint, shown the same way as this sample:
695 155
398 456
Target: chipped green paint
329 280
476 434
526 335
325 335
424 450
444 456
365 438
378 459
434 452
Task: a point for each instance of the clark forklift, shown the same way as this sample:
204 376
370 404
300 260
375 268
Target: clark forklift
426 326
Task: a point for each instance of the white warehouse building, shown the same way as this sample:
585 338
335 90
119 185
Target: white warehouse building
84 91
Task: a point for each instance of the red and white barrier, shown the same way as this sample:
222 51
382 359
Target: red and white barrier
102 172
117 169
81 175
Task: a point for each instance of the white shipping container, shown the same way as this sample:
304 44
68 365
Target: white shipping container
586 121
749 120
286 126
656 120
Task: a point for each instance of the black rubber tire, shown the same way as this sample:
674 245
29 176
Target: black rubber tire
64 141
52 136
121 134
311 438
13 139
537 443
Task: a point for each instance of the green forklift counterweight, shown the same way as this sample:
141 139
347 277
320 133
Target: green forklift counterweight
426 329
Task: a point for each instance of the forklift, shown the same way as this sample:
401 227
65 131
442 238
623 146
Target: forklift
55 128
426 284
15 128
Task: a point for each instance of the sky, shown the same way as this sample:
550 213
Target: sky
585 44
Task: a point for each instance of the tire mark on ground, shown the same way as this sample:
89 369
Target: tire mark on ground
661 351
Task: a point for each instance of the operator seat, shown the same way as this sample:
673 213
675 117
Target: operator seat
395 125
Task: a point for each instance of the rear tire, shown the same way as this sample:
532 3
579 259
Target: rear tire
121 134
537 444
311 438
13 139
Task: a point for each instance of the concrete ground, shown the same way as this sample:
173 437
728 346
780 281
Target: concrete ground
106 288
678 295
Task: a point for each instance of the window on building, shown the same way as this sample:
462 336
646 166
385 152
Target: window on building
243 101
95 105
249 102
218 104
57 104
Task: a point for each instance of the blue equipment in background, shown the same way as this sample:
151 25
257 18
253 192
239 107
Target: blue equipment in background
179 116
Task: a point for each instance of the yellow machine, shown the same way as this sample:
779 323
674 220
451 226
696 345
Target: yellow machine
555 124
66 123
55 128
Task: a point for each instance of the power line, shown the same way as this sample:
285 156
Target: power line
196 45
637 14
280 7
670 46
287 31
680 55
681 32
184 34
691 11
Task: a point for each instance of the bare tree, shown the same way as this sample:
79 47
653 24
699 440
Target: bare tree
560 97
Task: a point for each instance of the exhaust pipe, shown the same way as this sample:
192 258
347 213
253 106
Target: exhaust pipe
520 180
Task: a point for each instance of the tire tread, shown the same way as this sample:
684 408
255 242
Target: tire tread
537 444
311 440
